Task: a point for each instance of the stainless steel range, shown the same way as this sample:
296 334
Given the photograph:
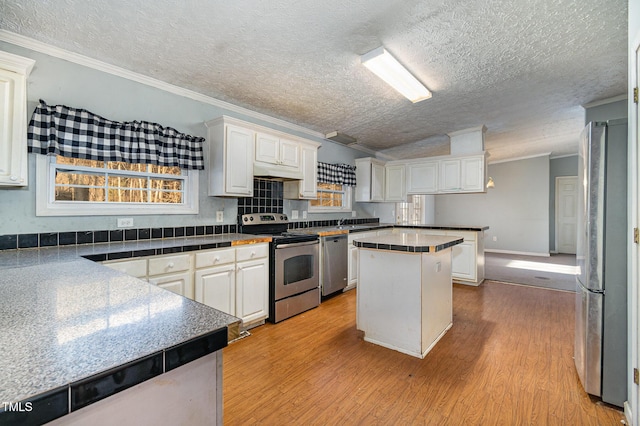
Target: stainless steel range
293 264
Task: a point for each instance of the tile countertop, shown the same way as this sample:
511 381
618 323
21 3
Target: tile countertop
412 243
66 318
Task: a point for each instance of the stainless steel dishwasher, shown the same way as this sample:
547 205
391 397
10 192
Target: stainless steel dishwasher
334 263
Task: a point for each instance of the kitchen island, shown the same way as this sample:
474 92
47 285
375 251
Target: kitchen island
85 344
404 299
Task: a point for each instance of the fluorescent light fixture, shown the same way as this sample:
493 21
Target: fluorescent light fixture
385 66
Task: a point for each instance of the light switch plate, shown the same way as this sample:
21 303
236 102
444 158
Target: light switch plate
294 214
219 216
304 214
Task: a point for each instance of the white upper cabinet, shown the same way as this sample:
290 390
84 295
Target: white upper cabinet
395 185
14 71
370 183
230 158
449 176
279 151
306 188
422 177
473 172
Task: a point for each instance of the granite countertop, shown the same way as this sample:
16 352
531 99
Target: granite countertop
412 243
67 318
324 231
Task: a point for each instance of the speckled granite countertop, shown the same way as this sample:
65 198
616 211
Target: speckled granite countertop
324 231
413 243
66 318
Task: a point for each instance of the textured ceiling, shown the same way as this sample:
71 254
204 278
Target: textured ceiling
523 68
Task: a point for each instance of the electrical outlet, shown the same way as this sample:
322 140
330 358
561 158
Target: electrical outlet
495 238
125 222
304 214
219 216
353 213
294 214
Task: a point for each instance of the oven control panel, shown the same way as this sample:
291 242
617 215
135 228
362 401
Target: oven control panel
263 218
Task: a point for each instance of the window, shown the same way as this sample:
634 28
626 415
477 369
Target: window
78 187
411 213
332 197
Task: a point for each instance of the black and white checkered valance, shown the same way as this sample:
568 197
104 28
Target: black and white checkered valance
342 174
78 133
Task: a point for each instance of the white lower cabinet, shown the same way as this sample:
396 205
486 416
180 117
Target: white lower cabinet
232 280
181 283
463 262
238 284
216 287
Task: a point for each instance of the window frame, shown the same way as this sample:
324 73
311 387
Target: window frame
347 199
47 206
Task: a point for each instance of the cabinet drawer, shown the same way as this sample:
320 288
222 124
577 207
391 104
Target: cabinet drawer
467 235
252 251
136 268
215 257
167 264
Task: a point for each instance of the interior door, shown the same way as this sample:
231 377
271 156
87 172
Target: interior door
566 214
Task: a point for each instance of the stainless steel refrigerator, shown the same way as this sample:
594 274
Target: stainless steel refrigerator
601 290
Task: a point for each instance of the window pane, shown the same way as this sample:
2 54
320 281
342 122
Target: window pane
79 162
118 165
69 177
127 196
127 182
166 184
69 193
164 170
166 197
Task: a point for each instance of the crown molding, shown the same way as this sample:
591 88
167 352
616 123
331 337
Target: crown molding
544 154
47 49
605 101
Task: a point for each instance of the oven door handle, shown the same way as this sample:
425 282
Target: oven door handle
306 243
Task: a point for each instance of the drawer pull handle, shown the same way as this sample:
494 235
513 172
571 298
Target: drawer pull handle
253 253
170 265
216 259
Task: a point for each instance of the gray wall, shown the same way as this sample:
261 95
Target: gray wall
564 166
607 111
61 82
516 210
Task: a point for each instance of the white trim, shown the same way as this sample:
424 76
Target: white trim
563 156
523 253
38 46
46 207
605 101
347 207
15 63
521 158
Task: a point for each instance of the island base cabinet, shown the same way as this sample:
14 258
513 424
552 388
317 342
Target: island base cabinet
404 300
191 394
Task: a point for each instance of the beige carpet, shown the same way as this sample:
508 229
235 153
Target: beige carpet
557 271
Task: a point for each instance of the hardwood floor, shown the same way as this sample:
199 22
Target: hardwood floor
507 360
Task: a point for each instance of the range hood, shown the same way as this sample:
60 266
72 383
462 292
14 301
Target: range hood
265 170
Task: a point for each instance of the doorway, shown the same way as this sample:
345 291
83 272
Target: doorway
566 214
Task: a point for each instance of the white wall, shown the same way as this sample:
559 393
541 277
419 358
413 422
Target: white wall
59 81
516 210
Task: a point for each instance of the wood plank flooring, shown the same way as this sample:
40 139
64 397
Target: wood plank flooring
507 360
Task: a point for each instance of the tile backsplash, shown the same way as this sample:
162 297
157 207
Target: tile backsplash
267 198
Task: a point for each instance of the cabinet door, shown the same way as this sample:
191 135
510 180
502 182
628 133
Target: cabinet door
395 183
267 148
377 182
449 176
181 284
216 287
238 167
473 174
463 262
308 185
13 129
422 178
135 268
289 153
252 289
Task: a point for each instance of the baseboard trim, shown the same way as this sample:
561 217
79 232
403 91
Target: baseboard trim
522 253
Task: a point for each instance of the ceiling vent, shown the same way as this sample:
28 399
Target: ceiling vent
341 138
